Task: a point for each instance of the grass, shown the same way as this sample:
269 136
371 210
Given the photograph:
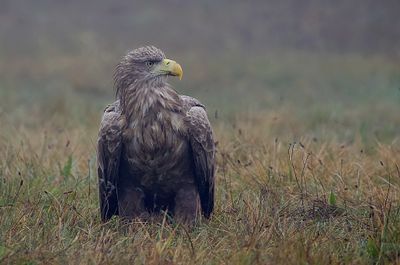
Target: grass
298 182
277 202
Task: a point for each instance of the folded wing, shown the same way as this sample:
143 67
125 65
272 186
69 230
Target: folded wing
108 158
203 152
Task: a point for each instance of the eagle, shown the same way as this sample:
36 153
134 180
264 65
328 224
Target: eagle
155 149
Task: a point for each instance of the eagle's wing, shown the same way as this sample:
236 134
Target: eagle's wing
203 151
108 156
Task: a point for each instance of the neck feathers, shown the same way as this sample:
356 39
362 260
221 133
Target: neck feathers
153 95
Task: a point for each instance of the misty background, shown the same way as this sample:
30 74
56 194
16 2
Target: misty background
320 63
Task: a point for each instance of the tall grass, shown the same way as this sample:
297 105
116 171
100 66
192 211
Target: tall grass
298 181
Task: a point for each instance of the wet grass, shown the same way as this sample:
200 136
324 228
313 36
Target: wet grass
301 180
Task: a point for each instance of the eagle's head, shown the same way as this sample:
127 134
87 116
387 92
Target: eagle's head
145 64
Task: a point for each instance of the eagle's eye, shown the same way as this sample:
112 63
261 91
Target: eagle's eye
149 63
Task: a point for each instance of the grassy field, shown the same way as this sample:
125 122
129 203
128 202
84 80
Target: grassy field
308 165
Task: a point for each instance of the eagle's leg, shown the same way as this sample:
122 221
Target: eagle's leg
131 204
187 204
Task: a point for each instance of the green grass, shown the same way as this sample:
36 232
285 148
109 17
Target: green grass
277 202
312 178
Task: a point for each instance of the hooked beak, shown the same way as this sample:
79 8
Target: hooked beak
170 67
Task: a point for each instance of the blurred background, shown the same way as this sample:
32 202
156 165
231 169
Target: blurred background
320 68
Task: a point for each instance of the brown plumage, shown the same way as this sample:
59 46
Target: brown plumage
155 148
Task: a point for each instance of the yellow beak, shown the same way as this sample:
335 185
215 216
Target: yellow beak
171 67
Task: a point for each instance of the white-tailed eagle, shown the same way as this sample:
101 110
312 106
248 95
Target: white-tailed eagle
156 149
